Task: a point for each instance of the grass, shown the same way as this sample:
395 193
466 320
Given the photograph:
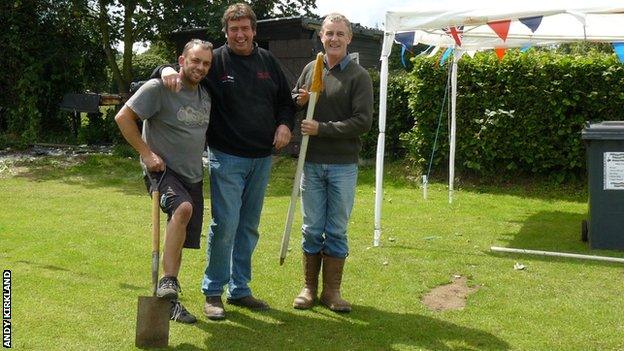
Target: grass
76 237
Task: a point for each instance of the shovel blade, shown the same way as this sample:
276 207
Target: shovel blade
152 328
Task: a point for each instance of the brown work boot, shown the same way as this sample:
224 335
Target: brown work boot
311 268
213 308
249 302
332 277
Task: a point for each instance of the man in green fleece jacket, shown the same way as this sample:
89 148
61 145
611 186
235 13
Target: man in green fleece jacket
344 112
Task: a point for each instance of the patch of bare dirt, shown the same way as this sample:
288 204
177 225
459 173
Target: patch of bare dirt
450 296
19 162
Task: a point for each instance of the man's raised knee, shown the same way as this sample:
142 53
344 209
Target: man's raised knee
183 212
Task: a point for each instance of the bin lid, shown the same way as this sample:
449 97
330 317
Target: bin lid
607 130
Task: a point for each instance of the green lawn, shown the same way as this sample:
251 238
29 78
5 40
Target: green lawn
76 237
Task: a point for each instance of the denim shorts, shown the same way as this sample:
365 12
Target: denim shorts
173 192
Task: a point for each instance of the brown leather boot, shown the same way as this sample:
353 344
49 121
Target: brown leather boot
311 269
332 277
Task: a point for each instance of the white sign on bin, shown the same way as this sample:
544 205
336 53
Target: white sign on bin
614 171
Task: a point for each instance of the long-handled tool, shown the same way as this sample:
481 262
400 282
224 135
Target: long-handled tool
152 328
315 88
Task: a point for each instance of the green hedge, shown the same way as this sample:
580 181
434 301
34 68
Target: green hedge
399 118
523 115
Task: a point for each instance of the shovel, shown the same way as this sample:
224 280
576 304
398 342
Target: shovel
152 328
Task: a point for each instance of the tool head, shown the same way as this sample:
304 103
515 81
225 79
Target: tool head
317 76
152 328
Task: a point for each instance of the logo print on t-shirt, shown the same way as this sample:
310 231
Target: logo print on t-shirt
192 117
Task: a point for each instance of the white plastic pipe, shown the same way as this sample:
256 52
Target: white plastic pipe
453 125
381 139
557 254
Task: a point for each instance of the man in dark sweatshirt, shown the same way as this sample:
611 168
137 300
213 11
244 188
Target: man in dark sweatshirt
344 112
252 111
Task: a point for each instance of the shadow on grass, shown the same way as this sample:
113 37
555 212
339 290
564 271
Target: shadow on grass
45 266
556 231
365 328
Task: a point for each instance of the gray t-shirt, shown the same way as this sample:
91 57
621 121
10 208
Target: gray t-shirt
174 125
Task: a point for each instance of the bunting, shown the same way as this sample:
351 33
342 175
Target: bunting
407 41
532 22
445 56
456 33
501 28
618 47
500 53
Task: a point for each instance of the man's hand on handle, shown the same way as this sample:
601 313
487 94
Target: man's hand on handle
153 162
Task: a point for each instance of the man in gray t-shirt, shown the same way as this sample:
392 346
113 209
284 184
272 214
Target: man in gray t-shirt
171 147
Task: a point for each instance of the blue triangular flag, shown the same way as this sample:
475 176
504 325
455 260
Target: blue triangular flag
526 48
532 22
406 39
619 50
445 56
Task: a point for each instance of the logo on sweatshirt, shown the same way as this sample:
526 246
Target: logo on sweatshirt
264 75
225 78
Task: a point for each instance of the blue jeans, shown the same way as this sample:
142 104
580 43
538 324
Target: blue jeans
327 194
237 186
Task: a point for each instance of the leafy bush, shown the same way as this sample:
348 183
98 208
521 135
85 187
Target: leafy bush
521 115
144 64
398 117
101 128
50 50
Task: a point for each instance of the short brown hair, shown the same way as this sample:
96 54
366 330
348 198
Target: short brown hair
205 45
236 12
337 17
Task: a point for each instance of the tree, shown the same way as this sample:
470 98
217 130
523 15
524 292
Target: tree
48 49
131 21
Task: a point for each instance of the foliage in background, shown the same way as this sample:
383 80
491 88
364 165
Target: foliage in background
143 65
48 50
129 22
398 117
163 49
521 115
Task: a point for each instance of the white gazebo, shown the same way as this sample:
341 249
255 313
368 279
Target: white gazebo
467 26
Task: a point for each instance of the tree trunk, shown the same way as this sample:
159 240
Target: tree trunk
103 19
128 40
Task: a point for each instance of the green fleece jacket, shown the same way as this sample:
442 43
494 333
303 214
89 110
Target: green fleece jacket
344 111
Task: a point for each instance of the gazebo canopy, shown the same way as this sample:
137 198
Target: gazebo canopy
465 26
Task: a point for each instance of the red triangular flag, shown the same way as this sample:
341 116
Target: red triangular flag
500 53
501 28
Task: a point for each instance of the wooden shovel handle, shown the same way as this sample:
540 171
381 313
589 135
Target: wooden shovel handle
155 221
155 237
